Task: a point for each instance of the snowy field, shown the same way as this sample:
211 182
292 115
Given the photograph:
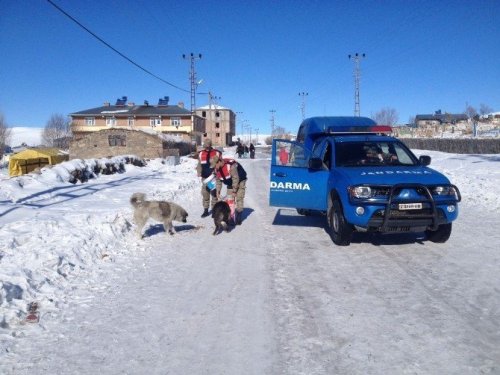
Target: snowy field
272 296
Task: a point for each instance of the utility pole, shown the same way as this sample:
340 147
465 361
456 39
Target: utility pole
247 126
257 135
303 104
244 124
357 73
272 122
192 77
241 121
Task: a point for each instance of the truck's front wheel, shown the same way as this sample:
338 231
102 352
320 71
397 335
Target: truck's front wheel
441 235
340 230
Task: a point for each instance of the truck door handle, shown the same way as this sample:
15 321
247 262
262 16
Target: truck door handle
279 174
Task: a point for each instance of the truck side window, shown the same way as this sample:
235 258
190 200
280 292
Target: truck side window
283 156
290 154
283 153
327 157
323 151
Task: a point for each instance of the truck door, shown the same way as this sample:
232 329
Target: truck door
292 182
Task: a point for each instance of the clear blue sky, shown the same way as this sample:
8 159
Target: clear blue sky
257 56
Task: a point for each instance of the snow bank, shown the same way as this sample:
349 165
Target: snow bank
43 253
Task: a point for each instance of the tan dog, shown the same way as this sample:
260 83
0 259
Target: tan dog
162 211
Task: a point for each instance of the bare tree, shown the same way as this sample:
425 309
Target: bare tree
5 134
279 132
484 109
470 111
57 132
411 121
386 116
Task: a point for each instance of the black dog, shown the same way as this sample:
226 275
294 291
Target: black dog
221 213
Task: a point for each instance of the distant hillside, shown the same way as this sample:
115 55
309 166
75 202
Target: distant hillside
29 136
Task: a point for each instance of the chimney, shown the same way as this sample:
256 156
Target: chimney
181 104
106 104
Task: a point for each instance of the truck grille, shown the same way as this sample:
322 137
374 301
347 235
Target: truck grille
384 191
425 212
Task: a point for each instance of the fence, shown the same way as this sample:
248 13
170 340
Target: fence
455 145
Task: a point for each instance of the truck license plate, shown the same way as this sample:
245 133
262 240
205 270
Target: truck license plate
410 206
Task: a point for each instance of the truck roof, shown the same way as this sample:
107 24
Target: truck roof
315 127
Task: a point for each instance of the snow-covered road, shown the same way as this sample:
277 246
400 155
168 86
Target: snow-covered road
275 296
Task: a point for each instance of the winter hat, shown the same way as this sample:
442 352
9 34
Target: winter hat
214 161
207 142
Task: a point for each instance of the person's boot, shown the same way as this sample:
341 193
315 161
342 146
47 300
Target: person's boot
205 213
238 218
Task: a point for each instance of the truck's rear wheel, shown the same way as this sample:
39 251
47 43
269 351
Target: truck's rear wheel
303 211
441 235
340 230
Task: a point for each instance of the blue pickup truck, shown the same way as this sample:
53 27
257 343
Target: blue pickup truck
362 179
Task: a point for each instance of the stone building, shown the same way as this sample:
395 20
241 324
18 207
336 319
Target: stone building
439 123
116 141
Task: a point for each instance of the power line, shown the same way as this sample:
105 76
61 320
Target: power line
114 49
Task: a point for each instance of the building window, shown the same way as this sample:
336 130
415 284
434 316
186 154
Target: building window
155 121
90 121
217 125
110 121
204 113
217 114
117 140
217 135
175 121
131 121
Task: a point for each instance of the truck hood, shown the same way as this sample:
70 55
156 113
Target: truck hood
392 175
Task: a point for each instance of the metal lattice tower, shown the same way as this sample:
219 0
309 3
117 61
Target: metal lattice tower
357 74
192 77
272 121
303 104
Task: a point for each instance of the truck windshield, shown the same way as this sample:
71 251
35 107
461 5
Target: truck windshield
352 154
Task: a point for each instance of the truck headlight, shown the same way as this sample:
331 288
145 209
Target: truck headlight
361 192
445 190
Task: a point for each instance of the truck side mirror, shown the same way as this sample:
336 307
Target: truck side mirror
315 163
424 160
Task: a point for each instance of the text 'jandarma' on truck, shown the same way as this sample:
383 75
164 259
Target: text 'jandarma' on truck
362 179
